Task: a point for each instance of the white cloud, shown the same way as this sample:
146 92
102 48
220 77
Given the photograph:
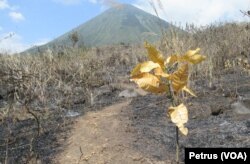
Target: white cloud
12 43
4 4
16 16
196 11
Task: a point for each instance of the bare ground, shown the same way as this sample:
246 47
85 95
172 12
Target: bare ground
136 130
133 130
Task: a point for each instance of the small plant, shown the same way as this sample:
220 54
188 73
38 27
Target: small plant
168 76
74 37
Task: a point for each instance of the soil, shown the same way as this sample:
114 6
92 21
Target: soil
137 130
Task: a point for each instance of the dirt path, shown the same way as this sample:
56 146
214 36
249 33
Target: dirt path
102 141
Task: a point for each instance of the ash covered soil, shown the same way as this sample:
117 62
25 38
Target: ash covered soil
136 129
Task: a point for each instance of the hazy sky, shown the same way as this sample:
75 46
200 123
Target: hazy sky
35 22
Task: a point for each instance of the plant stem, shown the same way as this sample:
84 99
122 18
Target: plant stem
172 98
177 144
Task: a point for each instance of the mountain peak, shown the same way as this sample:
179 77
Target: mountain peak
124 23
124 7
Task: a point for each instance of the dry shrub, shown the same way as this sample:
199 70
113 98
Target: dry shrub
66 77
225 45
41 88
61 79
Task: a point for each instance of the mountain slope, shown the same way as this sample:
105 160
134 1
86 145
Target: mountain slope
125 24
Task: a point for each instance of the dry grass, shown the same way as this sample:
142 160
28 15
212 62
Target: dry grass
45 81
33 85
41 89
225 45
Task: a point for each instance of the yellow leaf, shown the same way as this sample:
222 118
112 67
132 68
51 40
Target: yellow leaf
188 90
154 54
178 85
172 59
179 78
144 67
179 116
183 130
193 57
146 79
159 72
149 82
163 88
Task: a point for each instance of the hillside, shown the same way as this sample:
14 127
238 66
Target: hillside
118 25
